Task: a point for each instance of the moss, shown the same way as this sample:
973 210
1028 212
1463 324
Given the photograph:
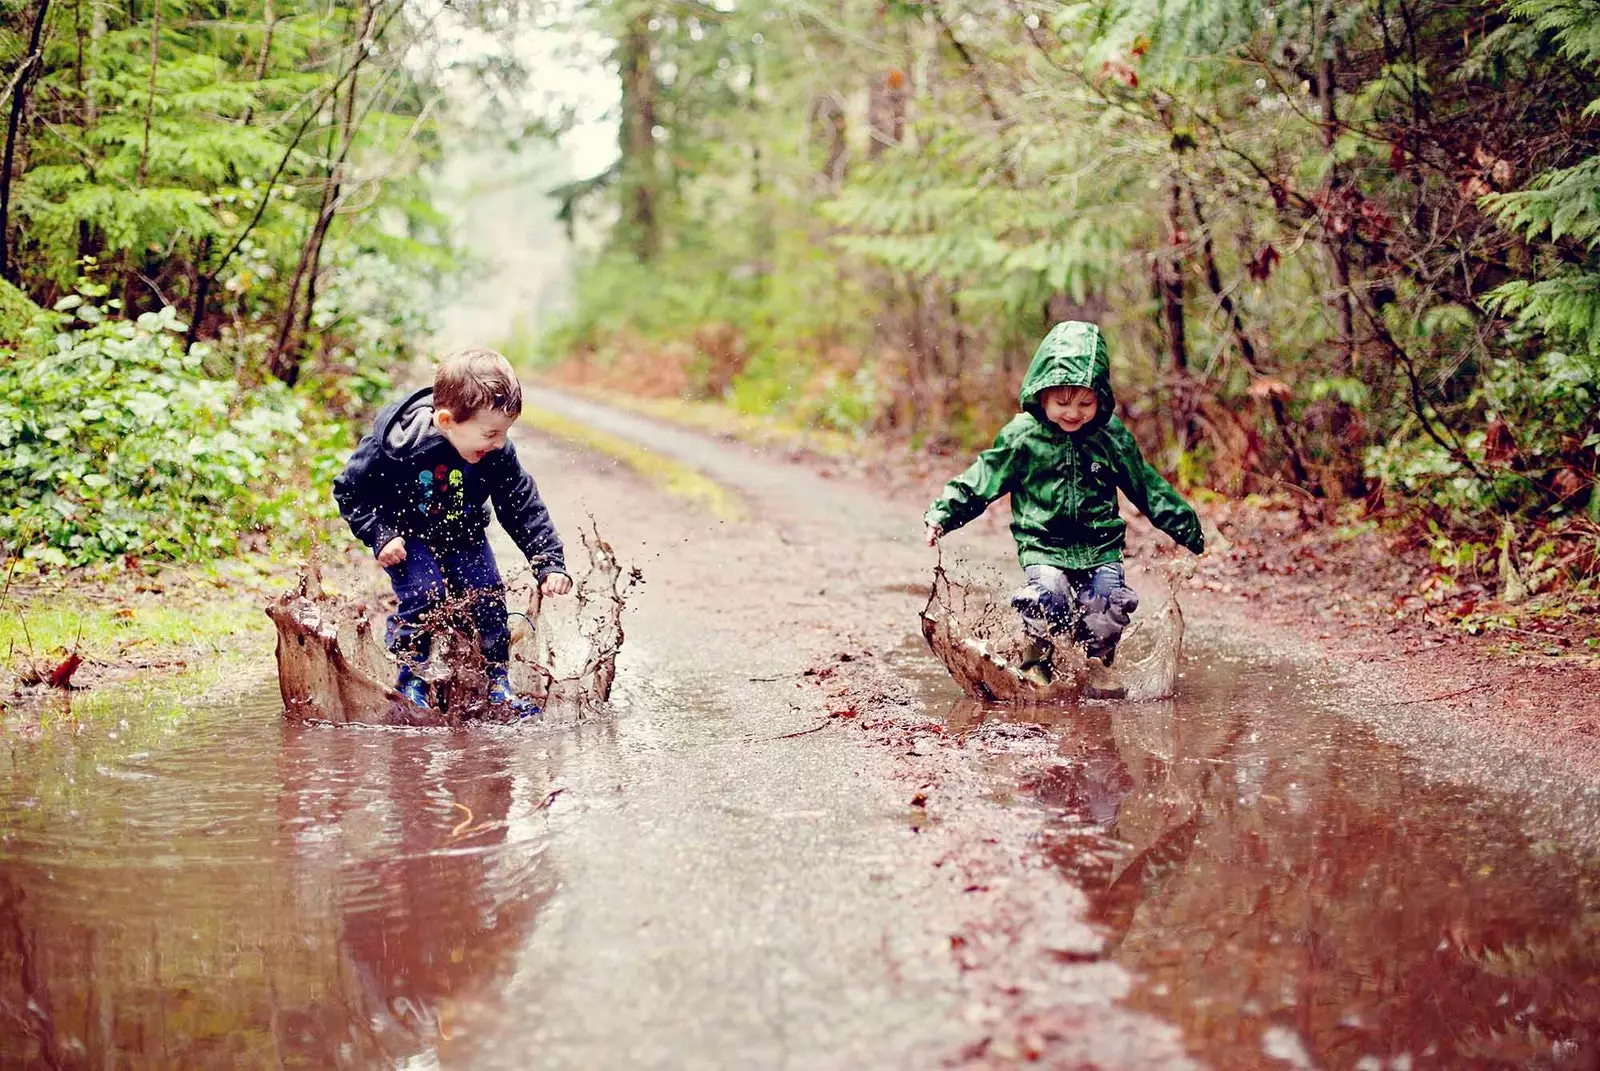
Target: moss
716 418
674 477
38 634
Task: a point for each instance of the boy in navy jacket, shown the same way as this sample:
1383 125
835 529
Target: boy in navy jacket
415 491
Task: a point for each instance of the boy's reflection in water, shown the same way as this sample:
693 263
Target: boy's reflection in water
1257 876
438 848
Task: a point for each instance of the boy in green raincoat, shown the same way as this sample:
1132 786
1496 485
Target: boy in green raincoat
1062 460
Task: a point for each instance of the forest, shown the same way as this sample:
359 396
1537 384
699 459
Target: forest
1346 253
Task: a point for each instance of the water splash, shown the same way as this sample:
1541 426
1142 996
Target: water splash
969 624
332 666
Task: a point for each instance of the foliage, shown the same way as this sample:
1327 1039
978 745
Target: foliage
16 313
257 170
121 443
1350 248
1560 206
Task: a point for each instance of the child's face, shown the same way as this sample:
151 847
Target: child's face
474 439
1069 408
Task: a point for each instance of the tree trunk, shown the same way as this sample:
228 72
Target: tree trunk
1246 345
31 62
202 291
97 34
1343 422
284 362
150 97
1170 284
271 20
1335 211
765 237
886 101
77 33
639 170
336 177
204 277
828 127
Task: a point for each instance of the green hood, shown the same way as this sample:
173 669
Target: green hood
1064 487
1073 354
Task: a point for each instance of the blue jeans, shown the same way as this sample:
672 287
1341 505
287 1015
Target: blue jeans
1092 605
464 580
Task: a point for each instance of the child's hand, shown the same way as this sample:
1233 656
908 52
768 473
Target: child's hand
393 552
555 584
932 532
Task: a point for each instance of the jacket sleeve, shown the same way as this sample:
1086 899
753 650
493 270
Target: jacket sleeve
1153 496
966 497
522 514
357 490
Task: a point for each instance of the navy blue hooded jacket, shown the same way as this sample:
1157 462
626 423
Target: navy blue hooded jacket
405 479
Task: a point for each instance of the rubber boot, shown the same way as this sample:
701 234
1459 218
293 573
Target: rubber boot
412 687
1035 658
1101 684
501 692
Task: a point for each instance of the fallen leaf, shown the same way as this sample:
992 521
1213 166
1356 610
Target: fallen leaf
1260 266
61 676
1266 387
1498 444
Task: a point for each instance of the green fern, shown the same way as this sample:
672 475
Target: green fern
1561 207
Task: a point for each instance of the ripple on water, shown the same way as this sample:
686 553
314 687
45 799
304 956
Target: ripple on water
244 891
1284 883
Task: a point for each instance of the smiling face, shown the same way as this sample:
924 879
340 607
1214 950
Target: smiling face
475 438
1069 408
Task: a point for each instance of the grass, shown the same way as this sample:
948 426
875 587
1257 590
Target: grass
98 631
717 418
190 622
674 477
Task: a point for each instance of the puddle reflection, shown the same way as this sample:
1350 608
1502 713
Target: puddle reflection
1283 884
266 895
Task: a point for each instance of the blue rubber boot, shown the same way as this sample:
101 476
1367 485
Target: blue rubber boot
413 687
501 692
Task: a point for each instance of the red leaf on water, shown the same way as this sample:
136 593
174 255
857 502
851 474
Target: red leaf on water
61 676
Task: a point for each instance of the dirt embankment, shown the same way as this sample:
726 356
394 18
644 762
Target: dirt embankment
1371 602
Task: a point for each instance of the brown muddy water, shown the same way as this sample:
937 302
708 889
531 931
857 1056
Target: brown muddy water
1292 891
241 891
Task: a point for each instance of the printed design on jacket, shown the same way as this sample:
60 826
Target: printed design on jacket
443 493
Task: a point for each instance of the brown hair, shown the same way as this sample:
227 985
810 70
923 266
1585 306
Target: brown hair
474 379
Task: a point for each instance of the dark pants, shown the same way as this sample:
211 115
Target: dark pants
1092 605
466 580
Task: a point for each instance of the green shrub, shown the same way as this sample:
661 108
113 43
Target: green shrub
118 442
16 313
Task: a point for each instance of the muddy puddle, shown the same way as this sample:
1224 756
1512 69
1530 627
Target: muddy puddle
1292 891
236 890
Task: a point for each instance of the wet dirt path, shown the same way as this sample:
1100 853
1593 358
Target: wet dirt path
695 880
1296 872
1251 872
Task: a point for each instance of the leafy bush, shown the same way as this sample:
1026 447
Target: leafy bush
118 442
16 312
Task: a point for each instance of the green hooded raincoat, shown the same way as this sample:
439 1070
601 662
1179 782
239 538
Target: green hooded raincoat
1063 486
